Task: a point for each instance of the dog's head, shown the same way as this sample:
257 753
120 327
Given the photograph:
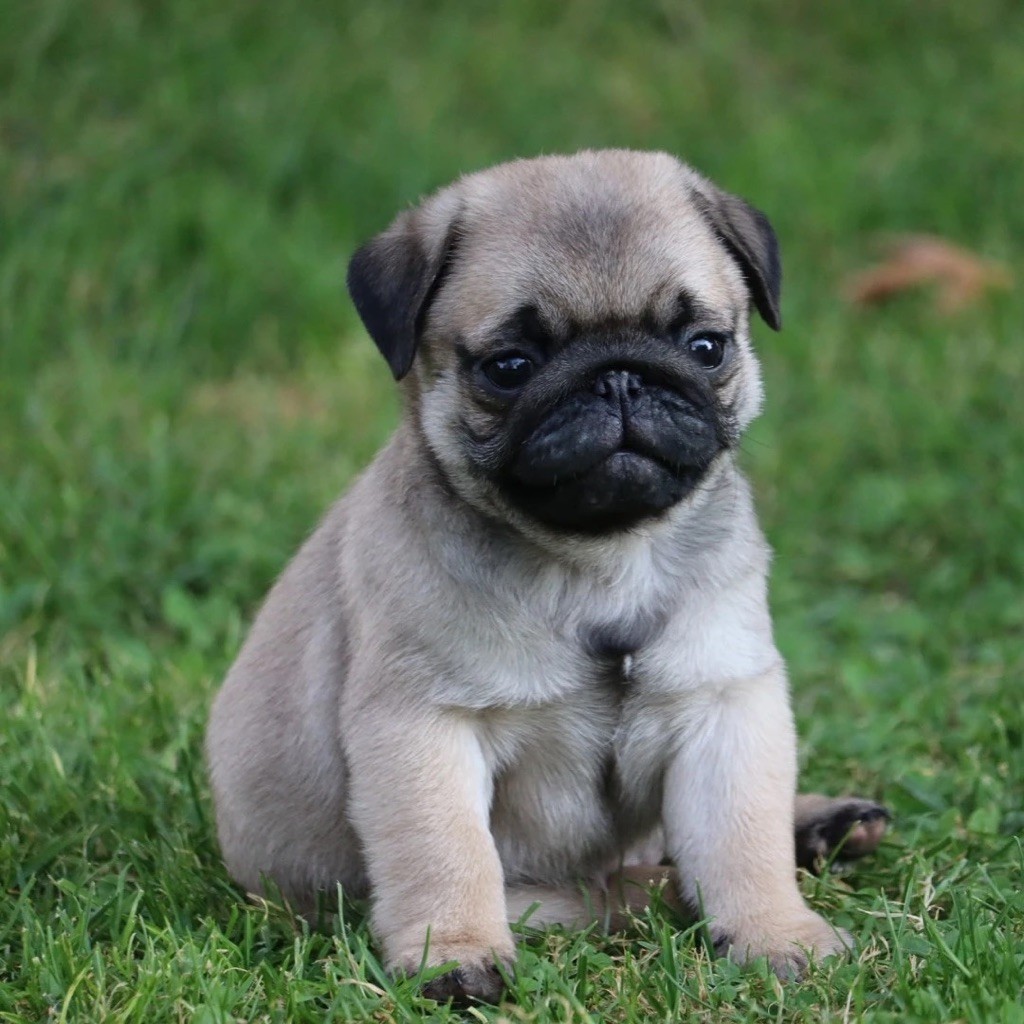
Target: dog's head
574 332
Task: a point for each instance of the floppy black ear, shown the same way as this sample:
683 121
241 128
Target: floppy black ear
750 239
392 280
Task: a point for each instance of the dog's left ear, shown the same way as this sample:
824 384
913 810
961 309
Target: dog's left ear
394 277
750 239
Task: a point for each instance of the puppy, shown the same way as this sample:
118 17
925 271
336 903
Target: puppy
531 646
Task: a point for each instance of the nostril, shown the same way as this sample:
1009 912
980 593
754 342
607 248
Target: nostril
618 384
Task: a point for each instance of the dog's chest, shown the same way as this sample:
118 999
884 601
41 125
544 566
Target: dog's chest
545 661
558 682
566 771
551 637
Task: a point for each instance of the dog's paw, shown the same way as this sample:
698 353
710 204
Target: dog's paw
478 978
789 948
845 827
479 982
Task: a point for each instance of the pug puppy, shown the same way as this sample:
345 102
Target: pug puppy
529 653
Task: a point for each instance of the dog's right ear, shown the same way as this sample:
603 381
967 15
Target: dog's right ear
393 279
749 238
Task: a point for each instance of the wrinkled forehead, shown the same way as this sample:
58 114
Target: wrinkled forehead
590 250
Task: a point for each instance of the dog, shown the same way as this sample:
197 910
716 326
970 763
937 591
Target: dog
528 655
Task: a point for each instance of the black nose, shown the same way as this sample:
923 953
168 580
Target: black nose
618 385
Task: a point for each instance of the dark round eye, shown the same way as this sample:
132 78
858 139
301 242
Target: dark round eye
708 350
509 371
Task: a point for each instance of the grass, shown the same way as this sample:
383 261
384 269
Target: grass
184 388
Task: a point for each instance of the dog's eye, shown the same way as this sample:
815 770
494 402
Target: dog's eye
509 371
708 350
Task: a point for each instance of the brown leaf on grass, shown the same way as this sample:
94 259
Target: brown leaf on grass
960 277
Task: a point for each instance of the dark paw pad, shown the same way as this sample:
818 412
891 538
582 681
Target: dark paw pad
845 828
463 986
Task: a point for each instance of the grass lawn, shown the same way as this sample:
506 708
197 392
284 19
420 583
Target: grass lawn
184 387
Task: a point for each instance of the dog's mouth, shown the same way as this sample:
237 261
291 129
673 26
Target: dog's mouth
597 464
619 491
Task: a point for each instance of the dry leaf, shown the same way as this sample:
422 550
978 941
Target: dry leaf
960 277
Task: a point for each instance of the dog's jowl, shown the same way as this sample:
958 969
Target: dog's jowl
528 657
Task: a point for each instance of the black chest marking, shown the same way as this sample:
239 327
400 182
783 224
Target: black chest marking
613 646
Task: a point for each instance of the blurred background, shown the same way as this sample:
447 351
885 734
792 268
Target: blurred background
184 385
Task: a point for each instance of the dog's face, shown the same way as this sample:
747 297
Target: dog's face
575 331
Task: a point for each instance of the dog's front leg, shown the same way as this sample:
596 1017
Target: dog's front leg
420 794
728 816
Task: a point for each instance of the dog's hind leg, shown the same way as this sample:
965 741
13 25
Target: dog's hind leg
843 827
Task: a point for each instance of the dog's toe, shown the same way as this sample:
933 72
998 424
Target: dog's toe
789 945
468 984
